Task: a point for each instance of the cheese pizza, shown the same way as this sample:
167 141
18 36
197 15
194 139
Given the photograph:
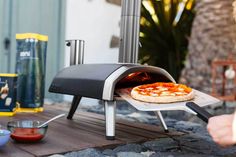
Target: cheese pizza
161 92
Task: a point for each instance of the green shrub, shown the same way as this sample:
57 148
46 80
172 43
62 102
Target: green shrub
164 30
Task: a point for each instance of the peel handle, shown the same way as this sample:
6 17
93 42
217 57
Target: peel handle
201 113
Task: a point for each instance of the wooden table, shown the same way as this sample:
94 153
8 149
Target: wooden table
87 130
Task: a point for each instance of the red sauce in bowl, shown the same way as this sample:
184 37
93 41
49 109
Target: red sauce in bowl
26 134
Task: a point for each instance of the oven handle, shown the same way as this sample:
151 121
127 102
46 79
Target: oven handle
201 113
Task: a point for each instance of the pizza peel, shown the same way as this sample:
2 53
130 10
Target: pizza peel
193 106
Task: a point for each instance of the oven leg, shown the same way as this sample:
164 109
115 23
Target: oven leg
74 105
110 107
158 114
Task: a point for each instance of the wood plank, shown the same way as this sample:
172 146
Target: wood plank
54 142
10 150
143 126
86 130
99 128
155 128
67 138
128 127
131 130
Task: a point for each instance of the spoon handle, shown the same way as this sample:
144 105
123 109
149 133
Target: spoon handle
58 116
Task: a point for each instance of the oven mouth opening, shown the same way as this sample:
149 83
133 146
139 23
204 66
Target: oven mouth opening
140 78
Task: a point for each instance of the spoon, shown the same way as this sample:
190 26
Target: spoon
58 116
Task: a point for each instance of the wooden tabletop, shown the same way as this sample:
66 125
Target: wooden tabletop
86 130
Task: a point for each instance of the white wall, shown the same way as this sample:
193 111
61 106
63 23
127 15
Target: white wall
94 21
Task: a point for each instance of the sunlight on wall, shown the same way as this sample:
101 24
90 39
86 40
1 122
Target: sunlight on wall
95 22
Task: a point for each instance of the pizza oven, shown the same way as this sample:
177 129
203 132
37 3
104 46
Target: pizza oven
101 81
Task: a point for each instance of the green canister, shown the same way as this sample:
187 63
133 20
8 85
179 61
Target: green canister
30 67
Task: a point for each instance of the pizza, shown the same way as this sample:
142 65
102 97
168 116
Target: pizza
162 92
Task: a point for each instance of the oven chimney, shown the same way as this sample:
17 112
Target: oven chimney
76 51
129 31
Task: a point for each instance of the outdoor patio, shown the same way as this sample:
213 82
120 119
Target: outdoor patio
193 41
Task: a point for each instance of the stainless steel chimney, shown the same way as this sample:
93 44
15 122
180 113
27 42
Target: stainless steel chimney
129 33
76 51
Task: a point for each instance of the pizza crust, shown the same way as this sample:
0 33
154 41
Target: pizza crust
160 99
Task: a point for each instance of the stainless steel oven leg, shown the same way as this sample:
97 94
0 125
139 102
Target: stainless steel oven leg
158 114
110 107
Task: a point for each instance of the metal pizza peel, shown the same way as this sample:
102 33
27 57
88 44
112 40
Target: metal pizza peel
193 106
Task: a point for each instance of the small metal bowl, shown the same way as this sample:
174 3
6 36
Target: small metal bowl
4 137
27 130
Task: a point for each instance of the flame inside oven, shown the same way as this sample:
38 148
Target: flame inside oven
139 78
134 79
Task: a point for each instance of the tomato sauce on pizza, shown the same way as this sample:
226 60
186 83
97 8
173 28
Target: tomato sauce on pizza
162 92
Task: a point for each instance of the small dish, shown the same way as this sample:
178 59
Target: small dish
27 130
4 137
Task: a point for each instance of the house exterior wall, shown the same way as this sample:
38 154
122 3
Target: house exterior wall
94 21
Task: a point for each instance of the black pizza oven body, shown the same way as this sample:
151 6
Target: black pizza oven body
99 81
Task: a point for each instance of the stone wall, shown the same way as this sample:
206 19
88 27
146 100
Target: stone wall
212 37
